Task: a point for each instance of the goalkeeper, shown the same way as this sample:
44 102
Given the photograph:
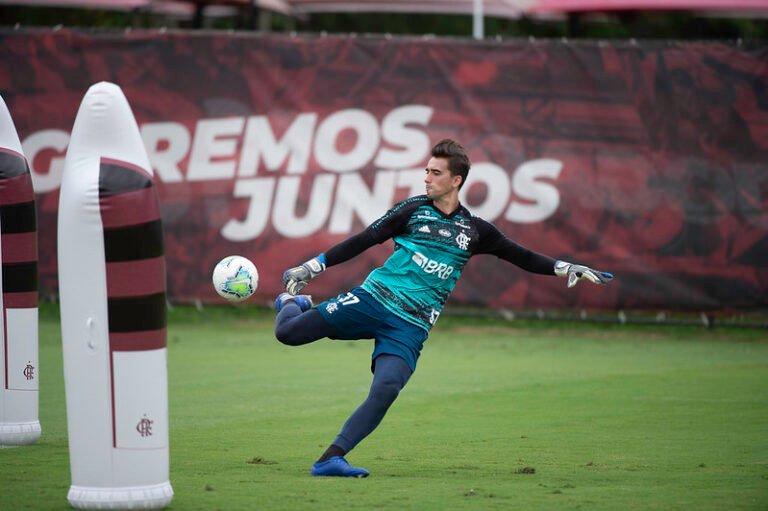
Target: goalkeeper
400 301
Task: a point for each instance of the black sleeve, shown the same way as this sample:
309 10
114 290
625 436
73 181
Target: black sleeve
493 241
388 226
349 248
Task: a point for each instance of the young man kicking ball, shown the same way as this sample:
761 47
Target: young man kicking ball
400 301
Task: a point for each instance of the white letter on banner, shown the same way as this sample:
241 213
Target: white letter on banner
496 183
352 195
259 191
413 179
36 143
214 138
166 161
395 132
545 197
367 132
284 216
260 143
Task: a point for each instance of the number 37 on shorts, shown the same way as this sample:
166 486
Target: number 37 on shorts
343 300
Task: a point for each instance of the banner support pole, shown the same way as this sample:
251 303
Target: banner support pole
477 19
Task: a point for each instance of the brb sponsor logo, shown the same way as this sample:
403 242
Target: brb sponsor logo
305 173
431 266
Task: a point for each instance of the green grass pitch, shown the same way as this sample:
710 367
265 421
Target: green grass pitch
498 415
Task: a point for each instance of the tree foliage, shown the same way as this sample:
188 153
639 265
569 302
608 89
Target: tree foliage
619 25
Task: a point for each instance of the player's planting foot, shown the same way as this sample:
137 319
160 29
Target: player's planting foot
303 301
337 467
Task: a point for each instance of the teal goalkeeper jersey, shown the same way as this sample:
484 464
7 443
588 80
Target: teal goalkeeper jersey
430 253
431 250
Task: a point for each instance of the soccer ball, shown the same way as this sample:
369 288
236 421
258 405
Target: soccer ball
235 278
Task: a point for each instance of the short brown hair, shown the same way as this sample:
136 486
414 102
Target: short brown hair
458 161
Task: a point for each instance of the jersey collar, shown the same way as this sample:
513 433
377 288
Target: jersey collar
453 213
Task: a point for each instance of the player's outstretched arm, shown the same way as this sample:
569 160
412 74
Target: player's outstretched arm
576 272
388 226
298 277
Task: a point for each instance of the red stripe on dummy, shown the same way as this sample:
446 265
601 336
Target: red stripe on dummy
136 278
137 341
20 300
130 208
16 189
19 247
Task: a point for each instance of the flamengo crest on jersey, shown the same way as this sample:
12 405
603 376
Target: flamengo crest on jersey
414 283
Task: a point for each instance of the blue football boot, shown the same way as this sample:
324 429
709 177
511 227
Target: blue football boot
303 301
337 466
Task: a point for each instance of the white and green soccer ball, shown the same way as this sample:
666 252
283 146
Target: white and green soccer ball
235 278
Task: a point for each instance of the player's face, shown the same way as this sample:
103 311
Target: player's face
439 181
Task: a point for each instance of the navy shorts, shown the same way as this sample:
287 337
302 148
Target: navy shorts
358 315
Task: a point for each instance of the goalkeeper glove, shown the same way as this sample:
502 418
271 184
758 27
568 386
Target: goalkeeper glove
297 278
576 272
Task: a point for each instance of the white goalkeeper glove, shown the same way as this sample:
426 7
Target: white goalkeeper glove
576 272
297 278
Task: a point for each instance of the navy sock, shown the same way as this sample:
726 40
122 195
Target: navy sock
333 450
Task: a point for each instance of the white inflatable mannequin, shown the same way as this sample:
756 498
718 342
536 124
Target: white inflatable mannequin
19 374
112 291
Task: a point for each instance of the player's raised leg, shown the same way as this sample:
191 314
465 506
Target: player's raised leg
297 322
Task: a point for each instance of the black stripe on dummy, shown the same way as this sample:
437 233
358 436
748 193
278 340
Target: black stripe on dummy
11 165
115 179
136 313
20 277
133 242
18 218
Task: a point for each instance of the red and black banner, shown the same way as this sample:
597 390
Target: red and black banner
647 160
